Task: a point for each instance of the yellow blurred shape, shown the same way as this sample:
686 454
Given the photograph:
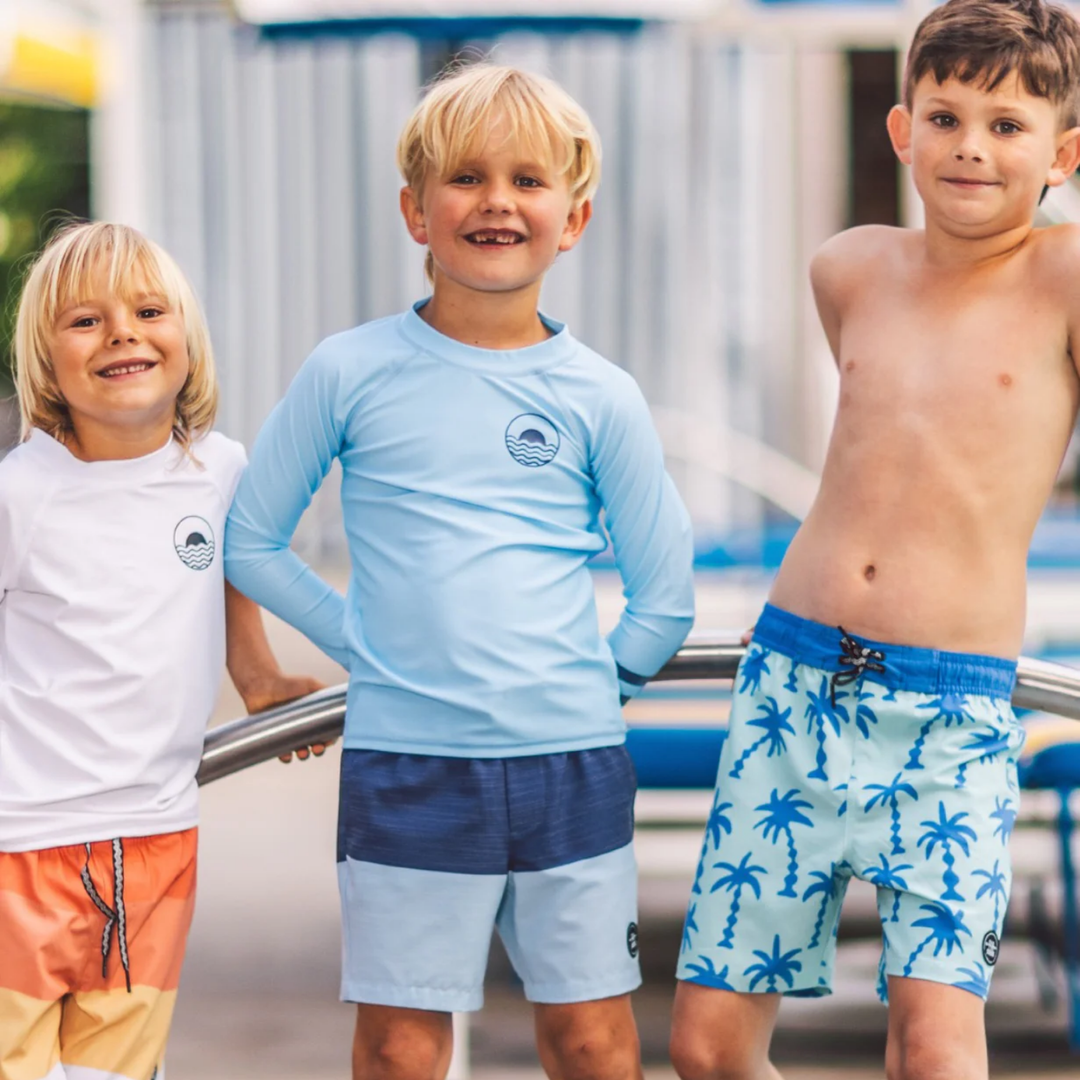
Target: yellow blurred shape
65 71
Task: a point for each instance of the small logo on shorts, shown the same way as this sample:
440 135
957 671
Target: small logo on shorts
631 940
991 947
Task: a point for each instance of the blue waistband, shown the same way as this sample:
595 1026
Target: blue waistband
925 671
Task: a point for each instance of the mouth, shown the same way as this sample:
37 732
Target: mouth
495 238
968 184
125 367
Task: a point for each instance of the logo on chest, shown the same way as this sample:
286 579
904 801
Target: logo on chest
194 542
532 440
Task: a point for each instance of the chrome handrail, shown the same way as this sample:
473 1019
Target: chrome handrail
320 717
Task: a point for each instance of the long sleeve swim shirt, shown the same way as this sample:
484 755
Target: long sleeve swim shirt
476 485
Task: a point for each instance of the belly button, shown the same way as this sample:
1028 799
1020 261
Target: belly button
869 573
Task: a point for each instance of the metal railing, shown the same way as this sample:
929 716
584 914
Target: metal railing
320 717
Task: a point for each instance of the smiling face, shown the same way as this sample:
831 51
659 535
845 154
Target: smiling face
498 219
119 361
980 158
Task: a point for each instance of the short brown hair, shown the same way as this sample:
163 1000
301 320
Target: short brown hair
985 41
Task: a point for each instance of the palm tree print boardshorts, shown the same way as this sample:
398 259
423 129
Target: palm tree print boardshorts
434 853
849 758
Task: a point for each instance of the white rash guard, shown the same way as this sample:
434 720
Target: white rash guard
112 637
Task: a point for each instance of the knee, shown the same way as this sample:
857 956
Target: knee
926 1060
396 1054
595 1055
697 1057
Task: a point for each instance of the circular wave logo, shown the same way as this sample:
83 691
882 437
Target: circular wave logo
532 440
194 542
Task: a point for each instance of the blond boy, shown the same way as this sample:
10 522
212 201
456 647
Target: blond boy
485 783
881 671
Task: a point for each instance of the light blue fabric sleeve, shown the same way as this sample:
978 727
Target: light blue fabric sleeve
651 536
290 459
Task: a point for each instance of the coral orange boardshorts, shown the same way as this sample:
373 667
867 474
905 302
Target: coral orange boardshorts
92 938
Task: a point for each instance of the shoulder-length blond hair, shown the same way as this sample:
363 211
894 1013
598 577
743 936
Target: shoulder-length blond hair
75 261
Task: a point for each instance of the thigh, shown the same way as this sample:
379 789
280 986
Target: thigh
935 1030
106 1028
571 931
422 868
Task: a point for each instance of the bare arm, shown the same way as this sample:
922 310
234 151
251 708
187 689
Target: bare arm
252 665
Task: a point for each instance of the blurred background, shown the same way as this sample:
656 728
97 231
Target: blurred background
255 140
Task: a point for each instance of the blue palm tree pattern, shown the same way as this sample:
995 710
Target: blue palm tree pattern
996 886
819 712
990 744
781 813
951 709
718 823
690 926
905 789
826 884
734 880
944 927
864 715
792 684
774 723
977 981
707 973
890 793
776 965
947 831
1005 816
888 877
753 666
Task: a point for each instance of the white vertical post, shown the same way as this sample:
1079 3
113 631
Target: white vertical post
119 159
459 1063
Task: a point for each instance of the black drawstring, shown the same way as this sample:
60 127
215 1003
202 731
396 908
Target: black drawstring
855 659
117 918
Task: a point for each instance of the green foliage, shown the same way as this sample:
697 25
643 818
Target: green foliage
44 178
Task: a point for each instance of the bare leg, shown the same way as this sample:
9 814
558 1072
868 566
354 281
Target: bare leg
401 1044
589 1040
936 1032
721 1035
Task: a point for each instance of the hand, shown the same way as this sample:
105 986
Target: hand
747 636
278 690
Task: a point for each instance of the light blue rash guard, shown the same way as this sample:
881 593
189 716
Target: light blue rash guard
474 482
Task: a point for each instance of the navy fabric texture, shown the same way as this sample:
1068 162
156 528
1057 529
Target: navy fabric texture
484 815
924 671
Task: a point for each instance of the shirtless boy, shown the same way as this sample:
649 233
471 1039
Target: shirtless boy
872 734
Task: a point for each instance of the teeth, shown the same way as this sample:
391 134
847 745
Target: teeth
125 369
495 238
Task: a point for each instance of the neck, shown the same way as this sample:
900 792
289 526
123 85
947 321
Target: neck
92 440
486 320
951 251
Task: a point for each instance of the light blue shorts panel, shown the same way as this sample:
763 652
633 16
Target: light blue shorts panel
419 938
828 775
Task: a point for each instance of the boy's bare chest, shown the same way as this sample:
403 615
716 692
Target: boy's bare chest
991 356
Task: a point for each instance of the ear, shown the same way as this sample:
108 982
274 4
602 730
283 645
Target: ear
898 124
579 217
413 213
1067 159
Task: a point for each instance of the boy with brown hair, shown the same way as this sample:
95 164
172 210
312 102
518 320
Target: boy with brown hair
873 703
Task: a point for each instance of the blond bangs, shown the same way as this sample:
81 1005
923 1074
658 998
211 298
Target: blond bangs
69 270
456 117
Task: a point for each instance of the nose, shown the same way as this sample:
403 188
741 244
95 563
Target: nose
124 332
968 148
498 198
